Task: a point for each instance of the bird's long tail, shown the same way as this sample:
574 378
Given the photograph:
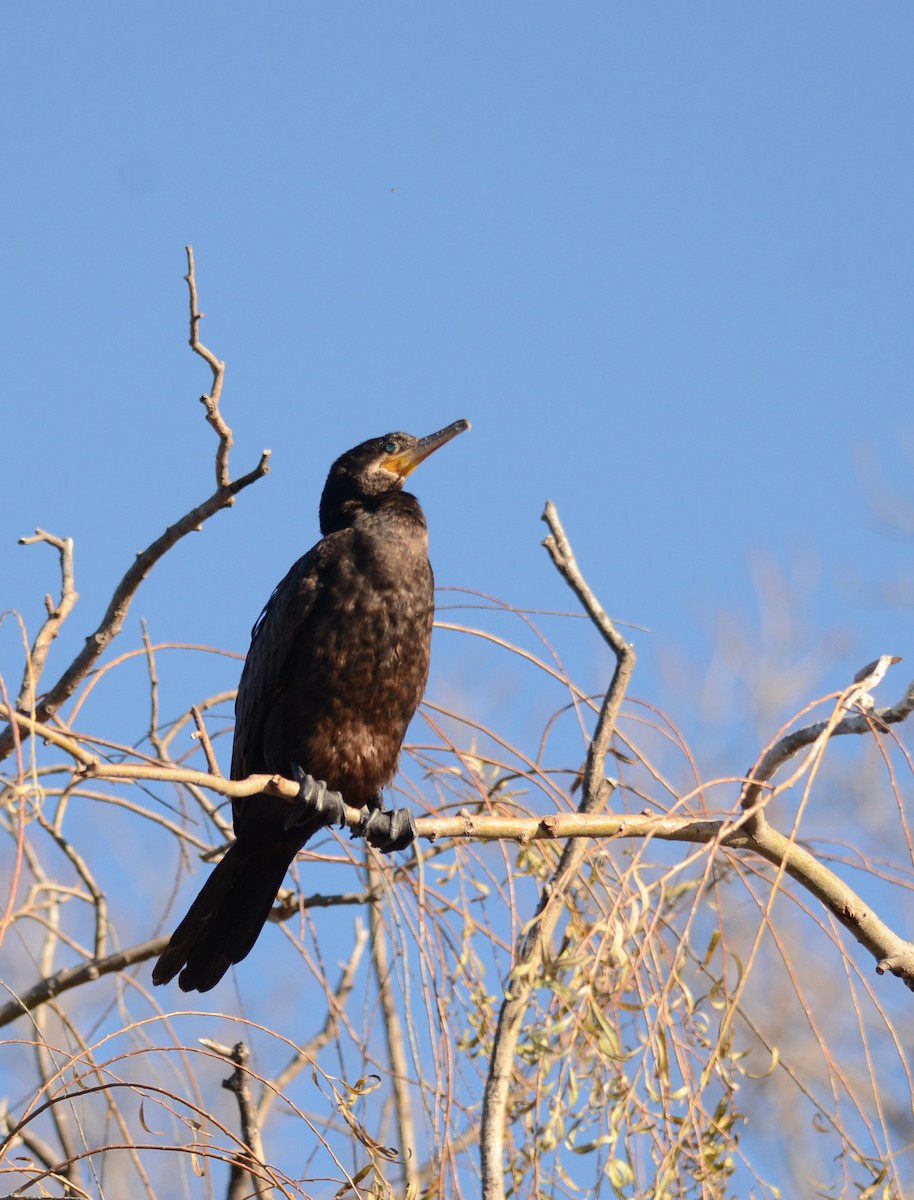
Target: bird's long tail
224 921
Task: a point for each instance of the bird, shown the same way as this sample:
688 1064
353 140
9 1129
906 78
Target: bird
337 665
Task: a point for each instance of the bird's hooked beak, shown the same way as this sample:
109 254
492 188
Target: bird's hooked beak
404 462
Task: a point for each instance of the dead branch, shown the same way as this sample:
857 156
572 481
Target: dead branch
57 614
238 1083
113 620
209 400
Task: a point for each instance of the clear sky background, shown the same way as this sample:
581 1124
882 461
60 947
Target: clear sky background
660 255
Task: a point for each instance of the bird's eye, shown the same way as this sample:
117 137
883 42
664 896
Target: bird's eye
390 448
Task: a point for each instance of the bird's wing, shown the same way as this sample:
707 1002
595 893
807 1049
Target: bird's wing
270 657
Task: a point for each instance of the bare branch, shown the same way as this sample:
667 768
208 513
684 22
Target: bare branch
154 739
51 986
113 620
57 614
55 985
798 739
595 788
529 956
203 737
209 400
238 1083
393 1031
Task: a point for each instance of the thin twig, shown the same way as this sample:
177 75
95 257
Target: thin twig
307 1053
203 738
99 899
798 739
154 739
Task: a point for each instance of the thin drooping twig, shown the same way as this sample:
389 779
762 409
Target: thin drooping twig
116 612
307 1053
81 867
892 953
57 614
530 952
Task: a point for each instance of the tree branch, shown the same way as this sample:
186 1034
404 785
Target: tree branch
239 1085
51 986
209 400
862 722
396 1050
113 620
57 614
529 957
741 833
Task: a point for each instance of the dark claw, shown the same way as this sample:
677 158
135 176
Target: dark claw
315 800
387 830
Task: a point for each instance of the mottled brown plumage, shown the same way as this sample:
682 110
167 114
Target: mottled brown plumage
337 666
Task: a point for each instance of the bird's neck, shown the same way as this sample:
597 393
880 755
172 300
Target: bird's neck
355 512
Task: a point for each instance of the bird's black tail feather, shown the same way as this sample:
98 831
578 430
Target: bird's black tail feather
224 921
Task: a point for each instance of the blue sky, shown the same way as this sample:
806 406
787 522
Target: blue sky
661 256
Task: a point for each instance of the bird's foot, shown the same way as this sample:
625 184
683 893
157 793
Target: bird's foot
314 800
387 829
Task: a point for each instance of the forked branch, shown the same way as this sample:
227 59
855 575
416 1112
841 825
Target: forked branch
113 620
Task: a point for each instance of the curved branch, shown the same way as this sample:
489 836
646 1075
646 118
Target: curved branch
113 620
798 739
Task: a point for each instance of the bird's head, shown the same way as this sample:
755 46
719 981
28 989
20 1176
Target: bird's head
375 468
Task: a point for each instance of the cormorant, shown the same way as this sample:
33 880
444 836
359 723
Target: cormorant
336 669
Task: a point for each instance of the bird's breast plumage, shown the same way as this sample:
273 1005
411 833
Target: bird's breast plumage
358 667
